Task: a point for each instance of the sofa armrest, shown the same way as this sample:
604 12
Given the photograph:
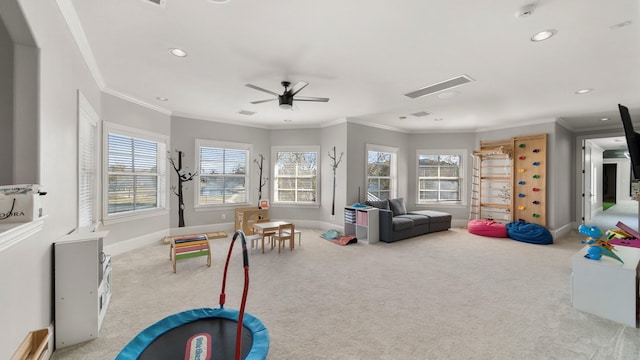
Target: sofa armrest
385 220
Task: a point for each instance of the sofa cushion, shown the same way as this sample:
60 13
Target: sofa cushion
400 223
382 204
417 219
435 216
397 206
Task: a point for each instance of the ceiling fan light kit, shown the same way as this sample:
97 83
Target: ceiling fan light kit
285 100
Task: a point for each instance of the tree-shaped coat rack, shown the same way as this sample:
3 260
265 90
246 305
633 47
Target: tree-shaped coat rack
262 179
334 166
183 177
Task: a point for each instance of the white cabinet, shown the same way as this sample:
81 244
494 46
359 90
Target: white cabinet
363 223
606 287
82 287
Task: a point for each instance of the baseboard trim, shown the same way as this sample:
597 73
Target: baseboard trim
122 247
563 230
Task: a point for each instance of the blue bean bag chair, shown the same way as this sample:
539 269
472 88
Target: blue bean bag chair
528 232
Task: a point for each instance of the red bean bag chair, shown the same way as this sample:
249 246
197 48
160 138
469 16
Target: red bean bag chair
487 228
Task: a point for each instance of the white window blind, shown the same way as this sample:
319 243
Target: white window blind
440 175
296 175
223 173
87 161
136 171
381 172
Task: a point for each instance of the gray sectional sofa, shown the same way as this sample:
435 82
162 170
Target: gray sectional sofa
397 224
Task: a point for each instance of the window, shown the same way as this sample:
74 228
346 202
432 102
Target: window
87 169
295 173
440 175
381 172
135 171
223 173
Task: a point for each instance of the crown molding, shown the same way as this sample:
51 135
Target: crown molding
73 22
137 101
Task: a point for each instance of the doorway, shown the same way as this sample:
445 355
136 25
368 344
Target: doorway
605 183
609 181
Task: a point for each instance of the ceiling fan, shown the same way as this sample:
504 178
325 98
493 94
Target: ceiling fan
285 100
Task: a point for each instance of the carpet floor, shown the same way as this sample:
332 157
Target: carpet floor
446 295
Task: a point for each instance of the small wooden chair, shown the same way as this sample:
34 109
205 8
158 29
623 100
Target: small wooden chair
267 233
285 232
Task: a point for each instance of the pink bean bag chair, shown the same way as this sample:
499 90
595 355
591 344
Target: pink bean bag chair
487 228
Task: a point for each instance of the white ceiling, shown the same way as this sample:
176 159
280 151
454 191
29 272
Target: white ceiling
365 55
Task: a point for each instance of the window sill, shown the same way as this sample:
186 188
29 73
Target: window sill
440 204
13 233
222 207
135 216
295 205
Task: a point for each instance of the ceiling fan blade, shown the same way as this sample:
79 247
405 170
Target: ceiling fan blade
263 101
307 98
261 89
298 86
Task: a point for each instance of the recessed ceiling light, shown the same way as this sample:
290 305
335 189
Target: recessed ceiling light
288 120
161 98
543 35
438 119
178 52
402 117
219 1
583 91
604 119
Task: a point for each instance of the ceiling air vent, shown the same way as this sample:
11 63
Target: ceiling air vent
444 85
420 114
162 3
246 112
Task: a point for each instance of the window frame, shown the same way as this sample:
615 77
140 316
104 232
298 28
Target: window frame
300 149
463 154
222 145
88 166
162 164
393 166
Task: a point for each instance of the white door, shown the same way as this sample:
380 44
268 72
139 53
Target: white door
586 181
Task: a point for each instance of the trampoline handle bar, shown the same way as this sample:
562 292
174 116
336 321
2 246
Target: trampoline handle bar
245 261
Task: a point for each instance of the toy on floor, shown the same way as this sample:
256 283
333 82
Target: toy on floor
597 246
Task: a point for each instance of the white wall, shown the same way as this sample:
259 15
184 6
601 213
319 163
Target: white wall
6 106
46 82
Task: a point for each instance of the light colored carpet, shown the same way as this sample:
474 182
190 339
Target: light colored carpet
625 211
447 295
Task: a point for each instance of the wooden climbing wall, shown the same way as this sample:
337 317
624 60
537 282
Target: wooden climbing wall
530 179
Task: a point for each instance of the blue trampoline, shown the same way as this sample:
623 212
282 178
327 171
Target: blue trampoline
205 333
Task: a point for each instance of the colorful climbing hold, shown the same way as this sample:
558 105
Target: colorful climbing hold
536 176
522 145
520 207
536 215
536 150
521 170
536 163
521 182
521 195
522 157
535 189
536 202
